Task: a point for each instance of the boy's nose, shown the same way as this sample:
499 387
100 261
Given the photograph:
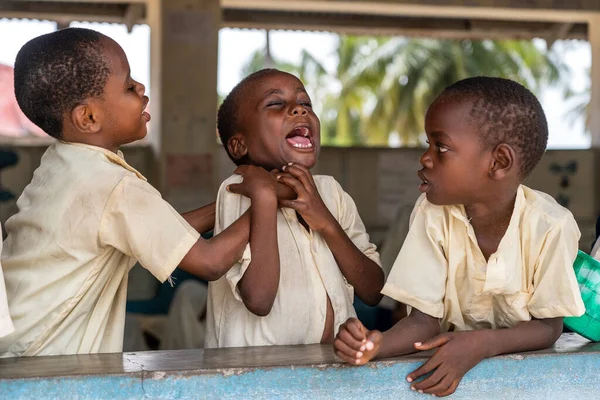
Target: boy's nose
299 110
425 160
141 89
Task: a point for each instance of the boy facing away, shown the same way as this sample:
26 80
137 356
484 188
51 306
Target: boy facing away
487 262
87 215
295 284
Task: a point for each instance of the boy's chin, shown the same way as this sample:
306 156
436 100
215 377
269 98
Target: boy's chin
436 200
306 160
305 164
142 134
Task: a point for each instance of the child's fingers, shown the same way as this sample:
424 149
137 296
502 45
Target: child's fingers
351 341
306 173
340 346
356 328
374 338
282 174
236 188
302 174
432 380
292 182
293 204
345 357
433 342
450 390
439 387
424 369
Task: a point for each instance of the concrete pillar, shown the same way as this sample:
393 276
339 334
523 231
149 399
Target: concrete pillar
594 38
184 36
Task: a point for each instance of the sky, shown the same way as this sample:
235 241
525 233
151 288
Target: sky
236 46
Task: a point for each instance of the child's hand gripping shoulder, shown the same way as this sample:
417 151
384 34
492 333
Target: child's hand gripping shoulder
210 259
257 184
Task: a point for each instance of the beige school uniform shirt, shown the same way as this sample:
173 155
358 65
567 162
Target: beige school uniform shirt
83 221
308 274
6 325
442 272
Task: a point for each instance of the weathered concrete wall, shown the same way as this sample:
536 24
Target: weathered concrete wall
568 371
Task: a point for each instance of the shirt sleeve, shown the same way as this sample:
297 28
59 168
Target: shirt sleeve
139 223
354 227
418 276
555 289
230 207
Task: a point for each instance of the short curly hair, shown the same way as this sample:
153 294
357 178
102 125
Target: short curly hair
227 124
506 112
56 72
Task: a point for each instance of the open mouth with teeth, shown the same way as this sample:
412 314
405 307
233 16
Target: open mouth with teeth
300 138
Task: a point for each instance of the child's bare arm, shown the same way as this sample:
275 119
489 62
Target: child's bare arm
356 345
359 270
210 259
458 352
201 219
258 287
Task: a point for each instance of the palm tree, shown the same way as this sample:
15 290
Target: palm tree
417 70
384 85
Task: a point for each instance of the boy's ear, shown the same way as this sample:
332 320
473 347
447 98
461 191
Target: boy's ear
237 146
503 161
85 118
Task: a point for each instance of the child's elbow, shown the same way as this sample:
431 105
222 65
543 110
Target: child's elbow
555 331
259 304
213 272
259 308
373 299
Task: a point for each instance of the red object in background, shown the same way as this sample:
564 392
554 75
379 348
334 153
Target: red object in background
13 122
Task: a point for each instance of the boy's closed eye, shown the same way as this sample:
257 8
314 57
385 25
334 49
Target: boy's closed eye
275 103
441 148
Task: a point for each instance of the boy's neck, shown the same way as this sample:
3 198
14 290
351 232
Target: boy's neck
490 219
91 140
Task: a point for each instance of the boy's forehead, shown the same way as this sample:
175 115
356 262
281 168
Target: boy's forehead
116 56
450 115
273 82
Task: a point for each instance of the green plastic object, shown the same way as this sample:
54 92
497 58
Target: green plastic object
587 270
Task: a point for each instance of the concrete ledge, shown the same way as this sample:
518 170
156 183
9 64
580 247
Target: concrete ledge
567 371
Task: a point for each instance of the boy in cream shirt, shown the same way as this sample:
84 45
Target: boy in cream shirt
487 261
87 215
296 283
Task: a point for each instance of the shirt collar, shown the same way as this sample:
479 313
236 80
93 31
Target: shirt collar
458 212
117 158
504 264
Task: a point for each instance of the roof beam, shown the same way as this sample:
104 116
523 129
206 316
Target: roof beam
382 7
